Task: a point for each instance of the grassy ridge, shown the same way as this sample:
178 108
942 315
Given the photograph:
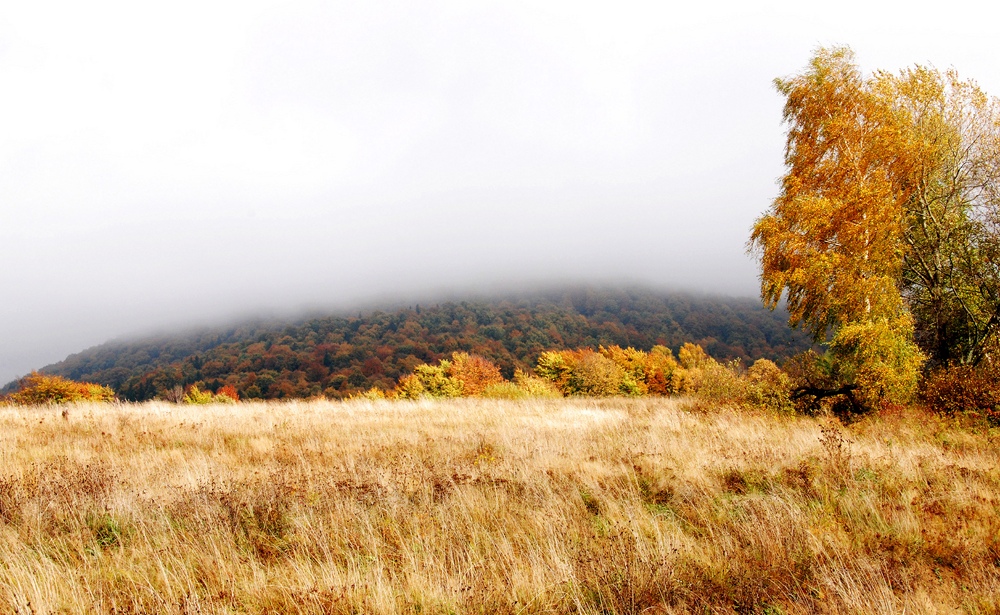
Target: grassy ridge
472 506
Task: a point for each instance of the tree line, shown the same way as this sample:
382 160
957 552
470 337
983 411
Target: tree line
340 356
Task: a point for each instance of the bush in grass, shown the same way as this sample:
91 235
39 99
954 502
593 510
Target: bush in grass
225 395
663 372
533 386
964 390
437 380
409 387
474 372
196 396
584 372
769 387
43 389
372 394
429 381
598 376
609 371
636 367
719 382
524 386
463 374
227 392
556 367
694 362
655 372
630 372
692 356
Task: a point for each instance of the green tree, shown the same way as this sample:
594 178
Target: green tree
951 131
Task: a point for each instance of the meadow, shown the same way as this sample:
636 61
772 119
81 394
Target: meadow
649 505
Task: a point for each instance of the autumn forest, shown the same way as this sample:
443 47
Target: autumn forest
833 447
337 356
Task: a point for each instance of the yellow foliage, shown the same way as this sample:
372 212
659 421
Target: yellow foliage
372 394
556 367
692 356
198 397
43 389
463 375
880 357
409 387
597 376
769 387
832 241
534 386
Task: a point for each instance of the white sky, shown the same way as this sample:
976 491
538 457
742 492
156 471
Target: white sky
168 164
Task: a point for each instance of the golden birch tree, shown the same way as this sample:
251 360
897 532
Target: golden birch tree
832 241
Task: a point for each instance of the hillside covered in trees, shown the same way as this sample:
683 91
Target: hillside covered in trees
339 355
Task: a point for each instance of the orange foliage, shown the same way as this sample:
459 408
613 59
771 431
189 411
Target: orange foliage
474 372
42 389
228 391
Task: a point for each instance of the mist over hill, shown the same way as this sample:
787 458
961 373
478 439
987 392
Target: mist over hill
340 354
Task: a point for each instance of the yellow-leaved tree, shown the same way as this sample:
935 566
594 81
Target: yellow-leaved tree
832 242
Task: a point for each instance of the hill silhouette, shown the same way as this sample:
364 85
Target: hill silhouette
339 355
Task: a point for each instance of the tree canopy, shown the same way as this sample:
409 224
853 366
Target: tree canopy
951 132
832 239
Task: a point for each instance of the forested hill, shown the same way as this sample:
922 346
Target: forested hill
340 355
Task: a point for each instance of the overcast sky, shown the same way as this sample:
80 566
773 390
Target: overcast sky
180 163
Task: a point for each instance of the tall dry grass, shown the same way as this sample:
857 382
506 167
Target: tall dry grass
479 506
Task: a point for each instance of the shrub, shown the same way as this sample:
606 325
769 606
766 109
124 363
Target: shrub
43 389
228 391
534 386
964 390
429 381
769 387
463 374
690 373
610 371
225 395
372 394
866 367
635 364
717 382
474 372
627 371
597 376
409 387
524 386
879 359
663 372
196 396
764 385
812 376
585 372
556 367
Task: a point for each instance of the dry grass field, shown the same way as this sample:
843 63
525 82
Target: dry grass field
477 506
